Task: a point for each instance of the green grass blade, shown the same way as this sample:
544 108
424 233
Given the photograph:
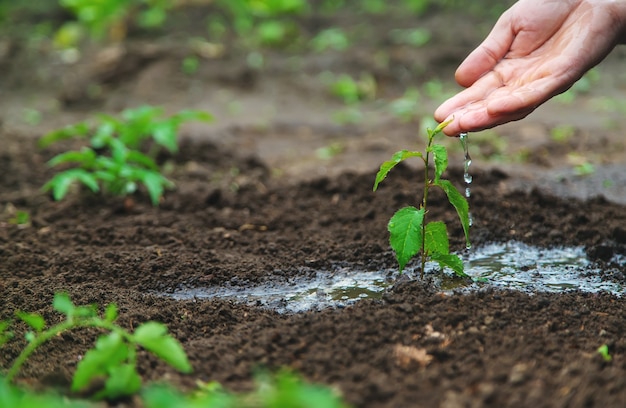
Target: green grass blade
406 235
397 158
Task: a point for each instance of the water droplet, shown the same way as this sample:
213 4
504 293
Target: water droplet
468 178
468 192
467 162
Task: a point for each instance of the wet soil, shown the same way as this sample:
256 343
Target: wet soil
253 202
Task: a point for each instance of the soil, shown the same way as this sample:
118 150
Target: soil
255 200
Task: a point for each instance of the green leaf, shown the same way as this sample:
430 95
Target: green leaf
110 314
63 304
35 321
460 204
436 236
451 261
155 184
85 157
68 132
165 135
438 129
397 158
406 234
61 182
137 157
441 160
110 351
123 380
153 337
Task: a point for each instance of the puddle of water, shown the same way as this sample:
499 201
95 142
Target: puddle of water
511 265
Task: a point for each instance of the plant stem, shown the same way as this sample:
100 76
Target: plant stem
424 204
55 331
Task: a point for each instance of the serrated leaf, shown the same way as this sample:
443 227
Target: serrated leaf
122 380
110 314
110 351
396 159
460 204
441 160
436 236
63 304
153 337
35 321
406 234
451 261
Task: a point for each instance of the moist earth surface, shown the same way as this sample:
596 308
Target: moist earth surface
259 198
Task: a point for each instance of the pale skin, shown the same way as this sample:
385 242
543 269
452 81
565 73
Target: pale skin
536 50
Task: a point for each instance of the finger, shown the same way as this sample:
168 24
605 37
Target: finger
477 118
485 57
479 91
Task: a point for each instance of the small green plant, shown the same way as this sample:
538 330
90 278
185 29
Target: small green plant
603 350
20 218
113 162
114 358
409 232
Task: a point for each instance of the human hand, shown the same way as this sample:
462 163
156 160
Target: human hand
536 50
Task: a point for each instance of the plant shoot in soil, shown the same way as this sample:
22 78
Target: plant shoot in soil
114 358
410 234
113 162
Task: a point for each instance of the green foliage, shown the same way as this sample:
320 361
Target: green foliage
113 162
114 356
284 390
109 18
409 232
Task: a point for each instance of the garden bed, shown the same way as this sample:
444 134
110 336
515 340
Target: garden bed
253 203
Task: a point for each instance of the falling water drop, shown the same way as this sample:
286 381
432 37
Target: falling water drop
467 162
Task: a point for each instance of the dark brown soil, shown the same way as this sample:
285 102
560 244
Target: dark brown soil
232 220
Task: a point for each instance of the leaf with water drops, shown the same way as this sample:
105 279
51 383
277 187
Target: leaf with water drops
406 237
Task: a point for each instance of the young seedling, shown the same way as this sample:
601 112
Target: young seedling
409 232
114 358
113 162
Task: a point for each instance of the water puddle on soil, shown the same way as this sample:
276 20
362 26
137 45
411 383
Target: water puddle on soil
511 265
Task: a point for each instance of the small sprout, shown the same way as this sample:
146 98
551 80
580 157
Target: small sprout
603 350
409 232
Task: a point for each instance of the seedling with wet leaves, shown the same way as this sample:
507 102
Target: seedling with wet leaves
410 234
